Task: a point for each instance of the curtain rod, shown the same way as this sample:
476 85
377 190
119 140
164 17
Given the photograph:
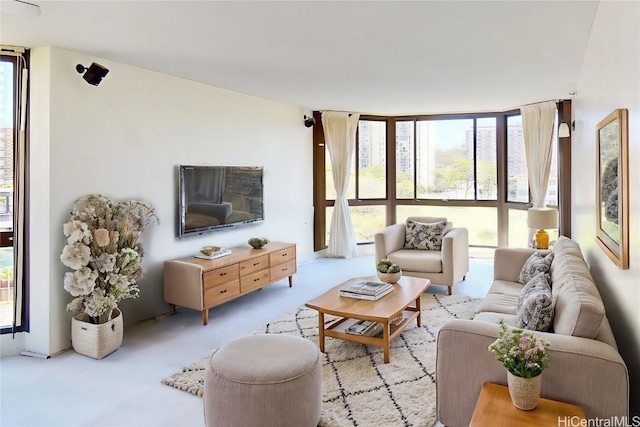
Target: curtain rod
540 102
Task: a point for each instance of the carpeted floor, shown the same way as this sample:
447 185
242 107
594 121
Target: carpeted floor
358 388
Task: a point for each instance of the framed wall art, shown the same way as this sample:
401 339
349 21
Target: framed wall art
612 232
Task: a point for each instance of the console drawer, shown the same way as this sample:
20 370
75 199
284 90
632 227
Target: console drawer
282 255
254 264
220 275
283 270
221 292
255 280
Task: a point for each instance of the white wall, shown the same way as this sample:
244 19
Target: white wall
123 139
610 79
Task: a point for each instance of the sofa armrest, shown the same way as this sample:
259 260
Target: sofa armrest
582 371
389 240
455 255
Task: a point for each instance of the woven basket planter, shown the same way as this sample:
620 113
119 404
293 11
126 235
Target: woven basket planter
93 340
524 392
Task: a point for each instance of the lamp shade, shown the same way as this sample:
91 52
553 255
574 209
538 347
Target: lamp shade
542 218
563 130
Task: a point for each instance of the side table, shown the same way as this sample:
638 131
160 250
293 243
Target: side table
495 409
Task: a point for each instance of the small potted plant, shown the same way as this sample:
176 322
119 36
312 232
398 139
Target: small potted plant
388 271
525 357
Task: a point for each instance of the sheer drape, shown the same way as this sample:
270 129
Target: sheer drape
537 127
340 137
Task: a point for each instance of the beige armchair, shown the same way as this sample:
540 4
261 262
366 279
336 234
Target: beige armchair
444 267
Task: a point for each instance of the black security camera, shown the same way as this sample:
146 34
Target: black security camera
93 74
309 121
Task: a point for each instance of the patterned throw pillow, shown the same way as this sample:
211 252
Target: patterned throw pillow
533 265
420 235
535 304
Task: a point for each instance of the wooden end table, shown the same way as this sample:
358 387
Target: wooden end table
404 299
495 409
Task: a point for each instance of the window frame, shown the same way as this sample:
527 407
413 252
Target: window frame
391 202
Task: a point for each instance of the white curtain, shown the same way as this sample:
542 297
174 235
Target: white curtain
340 138
537 127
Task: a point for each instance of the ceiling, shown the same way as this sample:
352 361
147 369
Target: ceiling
377 57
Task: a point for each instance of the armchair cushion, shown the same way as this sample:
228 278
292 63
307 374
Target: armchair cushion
427 236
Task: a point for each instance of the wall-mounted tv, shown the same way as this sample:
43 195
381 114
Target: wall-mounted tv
218 197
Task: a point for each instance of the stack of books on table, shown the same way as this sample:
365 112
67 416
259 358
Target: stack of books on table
367 290
366 328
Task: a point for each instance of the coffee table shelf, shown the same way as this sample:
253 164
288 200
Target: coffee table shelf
339 327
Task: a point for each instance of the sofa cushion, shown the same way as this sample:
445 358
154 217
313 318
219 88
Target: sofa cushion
579 309
499 303
534 265
413 260
491 317
427 236
505 287
535 304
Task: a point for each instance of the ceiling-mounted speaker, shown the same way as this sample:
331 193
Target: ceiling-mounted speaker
93 74
309 121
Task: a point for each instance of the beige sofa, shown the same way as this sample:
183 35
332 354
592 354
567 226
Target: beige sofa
585 366
444 267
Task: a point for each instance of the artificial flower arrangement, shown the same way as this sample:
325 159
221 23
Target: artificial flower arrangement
103 251
523 354
386 266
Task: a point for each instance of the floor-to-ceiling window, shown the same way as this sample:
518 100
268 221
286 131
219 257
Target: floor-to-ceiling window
469 168
13 152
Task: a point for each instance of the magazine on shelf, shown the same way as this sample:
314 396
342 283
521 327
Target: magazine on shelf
369 288
366 328
349 294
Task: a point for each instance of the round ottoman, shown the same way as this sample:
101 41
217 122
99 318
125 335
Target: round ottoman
264 380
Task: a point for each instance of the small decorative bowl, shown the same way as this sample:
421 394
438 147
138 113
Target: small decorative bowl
209 250
257 242
390 277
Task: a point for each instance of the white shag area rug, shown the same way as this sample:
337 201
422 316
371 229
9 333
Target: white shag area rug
358 388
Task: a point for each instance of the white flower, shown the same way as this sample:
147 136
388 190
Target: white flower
105 263
76 255
77 231
99 303
80 282
119 281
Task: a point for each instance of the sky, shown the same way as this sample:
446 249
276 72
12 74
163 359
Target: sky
6 79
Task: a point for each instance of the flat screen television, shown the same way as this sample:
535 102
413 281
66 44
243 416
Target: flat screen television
218 197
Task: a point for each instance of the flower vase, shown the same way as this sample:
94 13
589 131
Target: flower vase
96 340
390 277
524 392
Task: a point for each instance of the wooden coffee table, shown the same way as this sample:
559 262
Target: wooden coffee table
406 292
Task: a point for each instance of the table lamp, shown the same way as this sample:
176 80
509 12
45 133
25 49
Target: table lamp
541 218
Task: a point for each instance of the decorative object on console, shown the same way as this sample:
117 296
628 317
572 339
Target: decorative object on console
209 250
103 250
525 357
257 242
388 272
541 218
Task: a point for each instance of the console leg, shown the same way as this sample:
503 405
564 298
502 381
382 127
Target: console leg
290 281
205 316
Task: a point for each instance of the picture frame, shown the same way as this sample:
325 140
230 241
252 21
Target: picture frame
612 180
